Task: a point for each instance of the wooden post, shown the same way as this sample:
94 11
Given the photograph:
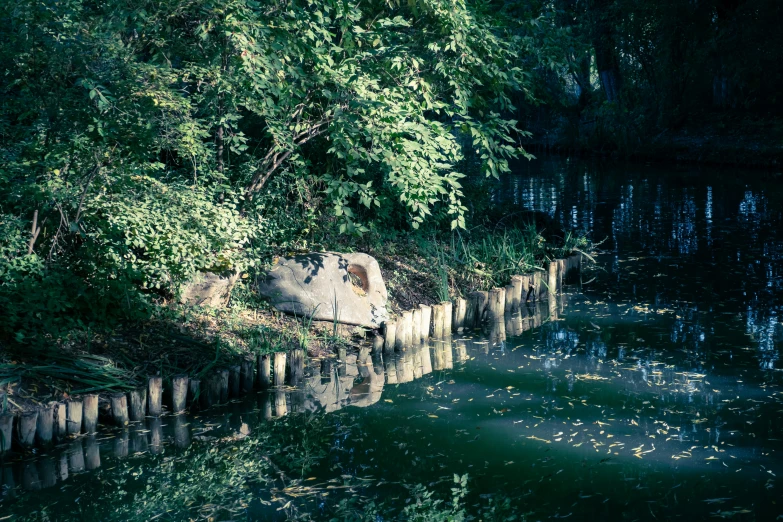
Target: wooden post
519 291
279 374
73 418
44 430
460 310
561 271
535 287
119 409
92 453
552 279
482 300
390 336
497 304
247 376
448 313
138 404
470 311
60 424
90 413
264 371
194 392
179 393
437 321
234 380
297 366
416 327
6 431
377 344
26 428
210 395
510 305
223 383
155 396
426 323
404 330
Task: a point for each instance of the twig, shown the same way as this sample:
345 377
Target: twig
34 233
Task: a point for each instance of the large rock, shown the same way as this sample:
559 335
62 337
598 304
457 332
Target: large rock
328 286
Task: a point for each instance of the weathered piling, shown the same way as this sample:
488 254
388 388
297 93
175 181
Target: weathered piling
60 422
73 419
561 271
551 279
426 322
179 393
377 344
519 290
279 374
210 395
194 392
448 312
92 453
44 429
389 336
155 396
470 311
25 428
223 380
297 366
511 304
264 371
234 381
458 317
90 413
497 304
534 293
404 330
247 376
416 327
137 404
119 409
437 320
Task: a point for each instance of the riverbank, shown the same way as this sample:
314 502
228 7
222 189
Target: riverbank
179 339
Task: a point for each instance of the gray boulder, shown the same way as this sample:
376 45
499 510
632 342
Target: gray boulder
328 286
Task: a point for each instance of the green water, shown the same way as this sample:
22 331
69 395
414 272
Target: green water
650 391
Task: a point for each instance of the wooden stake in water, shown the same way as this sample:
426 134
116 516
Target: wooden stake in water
438 317
6 431
247 376
194 392
535 284
26 428
138 404
90 413
497 304
224 381
426 322
448 313
60 424
44 430
405 330
279 374
511 305
460 311
377 344
390 336
518 292
155 396
297 366
119 409
552 279
264 371
416 327
73 419
234 381
179 393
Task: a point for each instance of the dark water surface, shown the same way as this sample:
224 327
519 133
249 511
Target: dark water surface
651 391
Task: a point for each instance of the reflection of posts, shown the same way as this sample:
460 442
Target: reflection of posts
181 432
497 333
461 350
92 453
391 370
75 457
155 426
266 405
448 355
47 470
138 438
281 407
30 480
426 359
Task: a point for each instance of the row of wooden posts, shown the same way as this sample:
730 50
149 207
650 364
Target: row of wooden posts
59 421
441 320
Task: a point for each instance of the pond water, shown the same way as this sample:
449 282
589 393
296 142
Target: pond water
651 391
